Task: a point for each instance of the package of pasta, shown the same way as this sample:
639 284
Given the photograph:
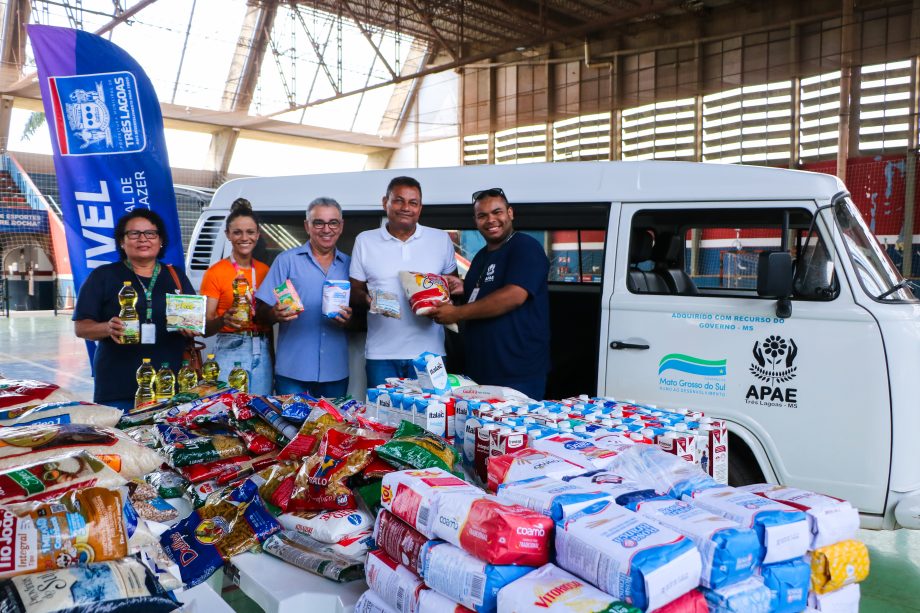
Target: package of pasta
23 445
196 473
144 435
320 483
255 440
203 449
82 527
306 441
61 413
414 447
297 550
201 411
169 483
17 393
225 526
119 586
276 483
297 407
839 565
198 494
56 475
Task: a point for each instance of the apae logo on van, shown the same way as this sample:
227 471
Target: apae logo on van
773 364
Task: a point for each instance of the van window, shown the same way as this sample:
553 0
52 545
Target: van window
716 252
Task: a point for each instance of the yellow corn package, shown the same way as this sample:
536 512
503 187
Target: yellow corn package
838 565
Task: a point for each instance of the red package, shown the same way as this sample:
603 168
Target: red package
399 540
320 482
241 408
377 427
256 442
425 290
691 602
21 391
492 531
196 473
377 468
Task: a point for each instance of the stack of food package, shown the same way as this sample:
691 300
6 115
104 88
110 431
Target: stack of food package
442 494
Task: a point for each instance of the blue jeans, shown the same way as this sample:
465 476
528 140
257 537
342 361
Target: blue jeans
252 354
379 370
317 389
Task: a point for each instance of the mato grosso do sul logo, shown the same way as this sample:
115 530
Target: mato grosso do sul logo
774 359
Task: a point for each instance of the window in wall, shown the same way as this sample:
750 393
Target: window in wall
884 103
475 149
751 124
659 131
819 116
521 145
584 138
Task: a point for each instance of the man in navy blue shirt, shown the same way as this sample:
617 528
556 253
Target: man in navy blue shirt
506 317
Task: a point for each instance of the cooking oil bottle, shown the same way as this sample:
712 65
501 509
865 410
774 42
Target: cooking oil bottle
187 377
210 370
238 378
240 310
165 384
127 298
145 379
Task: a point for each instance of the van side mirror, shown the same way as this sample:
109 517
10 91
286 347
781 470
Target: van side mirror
774 279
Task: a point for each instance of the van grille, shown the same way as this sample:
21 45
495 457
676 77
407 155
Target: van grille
203 242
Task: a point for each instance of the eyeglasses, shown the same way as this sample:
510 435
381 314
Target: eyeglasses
136 234
489 193
319 224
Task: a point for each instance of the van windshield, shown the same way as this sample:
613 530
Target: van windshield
877 273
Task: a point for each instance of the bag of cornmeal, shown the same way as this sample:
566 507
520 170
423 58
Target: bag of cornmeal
492 531
527 464
549 588
396 585
629 556
831 519
788 585
839 565
748 596
729 551
464 579
409 495
555 499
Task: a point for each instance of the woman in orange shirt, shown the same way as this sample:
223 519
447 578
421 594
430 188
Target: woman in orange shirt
245 343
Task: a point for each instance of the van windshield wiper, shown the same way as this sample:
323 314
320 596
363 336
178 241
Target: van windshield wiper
904 284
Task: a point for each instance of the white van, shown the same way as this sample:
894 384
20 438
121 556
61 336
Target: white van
756 295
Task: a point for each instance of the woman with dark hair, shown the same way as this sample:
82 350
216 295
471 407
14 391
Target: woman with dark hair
141 240
246 343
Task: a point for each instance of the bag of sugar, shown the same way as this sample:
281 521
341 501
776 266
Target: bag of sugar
551 589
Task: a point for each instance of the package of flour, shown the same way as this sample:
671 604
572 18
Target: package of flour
491 530
553 590
464 579
335 296
555 499
783 531
396 585
409 495
831 520
729 551
631 557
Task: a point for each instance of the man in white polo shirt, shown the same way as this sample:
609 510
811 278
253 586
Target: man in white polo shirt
378 256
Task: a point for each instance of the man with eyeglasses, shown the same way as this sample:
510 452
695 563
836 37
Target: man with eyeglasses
401 243
506 316
312 354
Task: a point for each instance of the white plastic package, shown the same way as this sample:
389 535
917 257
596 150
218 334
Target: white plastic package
409 495
550 589
396 585
328 526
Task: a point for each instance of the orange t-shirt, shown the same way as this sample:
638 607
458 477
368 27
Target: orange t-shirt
217 283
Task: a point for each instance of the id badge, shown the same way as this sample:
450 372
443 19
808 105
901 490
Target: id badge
148 334
473 295
256 346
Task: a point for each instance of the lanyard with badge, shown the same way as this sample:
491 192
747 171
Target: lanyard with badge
250 298
148 328
485 268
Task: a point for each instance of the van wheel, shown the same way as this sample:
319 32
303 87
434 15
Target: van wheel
742 465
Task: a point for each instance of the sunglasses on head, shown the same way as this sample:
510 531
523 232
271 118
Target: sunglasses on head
489 193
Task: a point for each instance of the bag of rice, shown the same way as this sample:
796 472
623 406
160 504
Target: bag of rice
62 413
119 586
58 474
23 445
82 527
631 557
410 495
328 526
396 585
19 393
464 579
551 589
494 532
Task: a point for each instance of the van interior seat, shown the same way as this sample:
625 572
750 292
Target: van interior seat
641 249
669 266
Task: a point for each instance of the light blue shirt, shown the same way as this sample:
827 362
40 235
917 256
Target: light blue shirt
311 347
